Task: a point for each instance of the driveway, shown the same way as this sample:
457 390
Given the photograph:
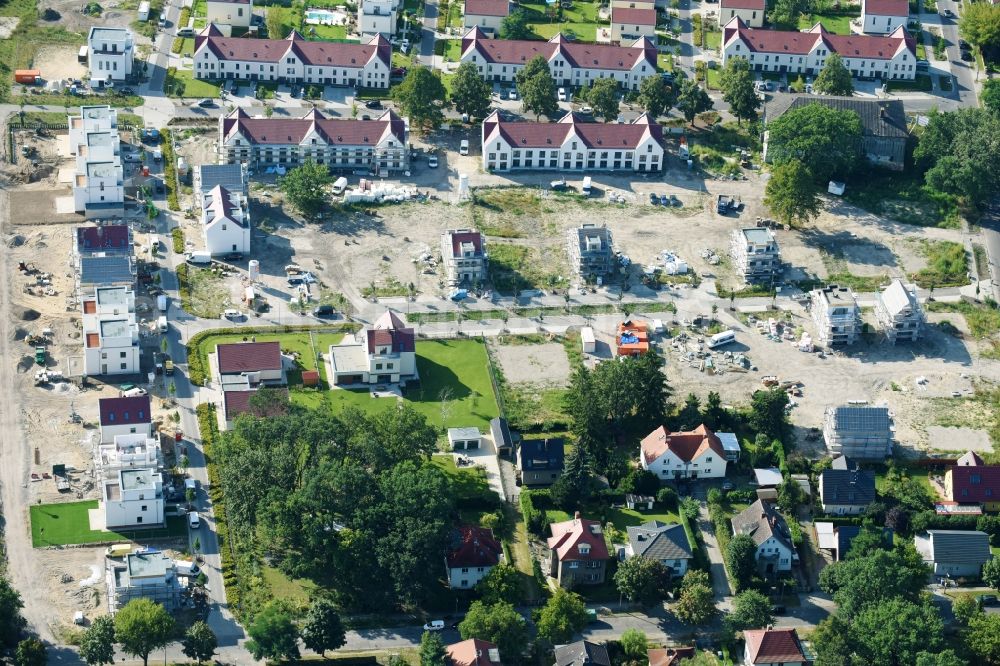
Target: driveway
720 583
485 457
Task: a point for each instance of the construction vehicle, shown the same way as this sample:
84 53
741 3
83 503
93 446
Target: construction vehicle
40 355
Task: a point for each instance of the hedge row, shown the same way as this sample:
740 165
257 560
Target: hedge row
170 169
177 234
209 429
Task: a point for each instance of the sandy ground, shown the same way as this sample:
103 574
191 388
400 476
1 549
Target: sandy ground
59 62
8 24
536 364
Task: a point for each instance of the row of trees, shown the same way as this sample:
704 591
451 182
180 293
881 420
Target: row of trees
274 633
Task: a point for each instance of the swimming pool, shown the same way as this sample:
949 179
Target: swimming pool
325 17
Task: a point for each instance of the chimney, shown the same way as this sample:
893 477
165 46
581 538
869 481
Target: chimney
576 515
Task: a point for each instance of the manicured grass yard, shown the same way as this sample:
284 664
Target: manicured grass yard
296 591
67 523
713 39
192 87
328 32
466 482
455 388
581 20
714 78
298 343
622 518
451 49
584 32
838 25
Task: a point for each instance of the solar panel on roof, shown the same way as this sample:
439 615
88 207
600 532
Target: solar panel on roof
106 270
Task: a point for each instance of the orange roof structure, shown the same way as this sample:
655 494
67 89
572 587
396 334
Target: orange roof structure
632 338
685 445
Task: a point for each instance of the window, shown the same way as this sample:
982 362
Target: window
465 569
142 508
378 366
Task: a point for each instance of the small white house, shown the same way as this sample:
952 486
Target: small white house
487 15
881 17
762 522
377 17
751 11
124 416
683 455
111 52
225 219
110 332
133 498
463 439
232 13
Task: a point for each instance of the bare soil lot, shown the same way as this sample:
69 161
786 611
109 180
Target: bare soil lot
59 62
536 364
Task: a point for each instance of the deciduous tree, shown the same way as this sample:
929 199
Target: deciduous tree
983 637
834 78
141 626
502 583
785 14
322 629
274 20
470 93
894 631
305 187
97 647
959 151
991 573
200 642
655 95
965 607
741 560
738 91
273 634
827 141
990 96
537 88
515 26
642 579
751 610
791 193
30 652
11 622
696 604
980 25
692 99
563 615
420 97
498 623
603 96
634 644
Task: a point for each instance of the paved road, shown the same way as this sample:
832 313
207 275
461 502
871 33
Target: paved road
428 33
991 239
964 73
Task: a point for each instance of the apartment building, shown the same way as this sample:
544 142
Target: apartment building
125 416
572 145
99 181
883 17
487 15
899 313
133 498
463 252
755 255
751 12
571 63
149 575
631 23
230 13
885 57
110 332
378 145
110 53
859 431
836 314
377 17
591 251
292 60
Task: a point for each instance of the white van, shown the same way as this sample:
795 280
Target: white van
720 339
587 186
186 567
161 324
340 185
463 148
199 257
186 31
194 520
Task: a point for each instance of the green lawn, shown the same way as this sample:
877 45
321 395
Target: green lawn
451 49
917 474
455 388
467 483
838 25
921 83
584 32
713 39
328 32
67 523
714 78
187 48
581 20
622 518
296 591
187 86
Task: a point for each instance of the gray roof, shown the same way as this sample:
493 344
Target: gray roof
230 176
541 454
761 521
582 652
862 418
106 270
959 546
898 297
843 462
847 487
659 541
881 118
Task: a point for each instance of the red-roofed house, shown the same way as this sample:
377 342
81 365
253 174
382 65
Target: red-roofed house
473 652
885 57
248 364
579 553
487 15
698 454
292 60
572 145
225 219
631 23
472 555
125 416
673 656
463 252
751 11
773 647
385 353
971 482
379 145
235 403
882 17
571 63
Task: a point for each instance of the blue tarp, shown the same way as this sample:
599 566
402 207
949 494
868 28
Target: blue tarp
628 339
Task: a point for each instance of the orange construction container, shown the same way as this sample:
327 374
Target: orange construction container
29 76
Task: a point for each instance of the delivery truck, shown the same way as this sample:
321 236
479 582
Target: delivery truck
29 77
143 11
199 257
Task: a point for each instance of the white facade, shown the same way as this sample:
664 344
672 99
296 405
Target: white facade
110 431
292 60
99 181
465 578
755 254
683 455
128 452
570 145
110 52
110 332
377 17
133 498
570 63
865 56
631 23
707 465
234 13
750 12
837 315
143 575
776 550
882 17
225 222
463 253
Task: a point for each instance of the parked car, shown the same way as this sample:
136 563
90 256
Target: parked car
727 485
987 599
967 56
194 520
295 281
558 185
778 610
562 94
587 110
434 625
512 94
948 13
653 199
463 148
324 311
206 103
964 45
232 315
432 161
373 104
233 256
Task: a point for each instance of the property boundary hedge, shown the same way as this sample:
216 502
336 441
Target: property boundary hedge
209 430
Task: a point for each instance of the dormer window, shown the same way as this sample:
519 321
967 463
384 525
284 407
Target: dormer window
584 548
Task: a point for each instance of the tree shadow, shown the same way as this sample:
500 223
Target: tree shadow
849 247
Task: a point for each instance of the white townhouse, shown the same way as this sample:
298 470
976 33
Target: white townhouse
99 181
110 332
865 56
377 17
572 145
751 11
230 13
571 63
125 416
292 60
225 221
487 15
631 23
882 17
340 143
698 454
110 52
769 531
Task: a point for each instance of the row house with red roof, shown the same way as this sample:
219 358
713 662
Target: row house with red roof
292 60
572 145
698 454
971 486
472 554
751 12
571 63
885 57
629 23
883 17
487 15
339 143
